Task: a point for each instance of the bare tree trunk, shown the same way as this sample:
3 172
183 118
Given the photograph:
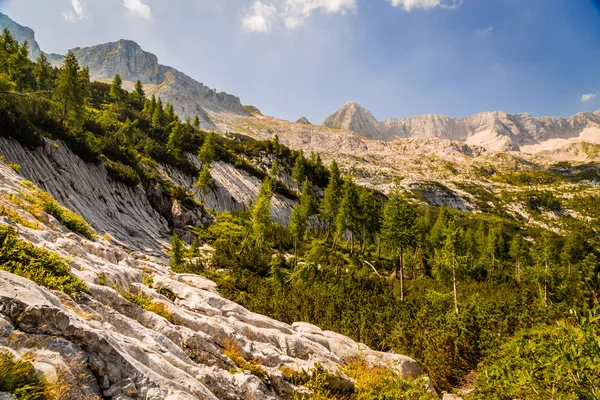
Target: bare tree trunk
372 267
546 285
401 274
518 271
351 243
454 286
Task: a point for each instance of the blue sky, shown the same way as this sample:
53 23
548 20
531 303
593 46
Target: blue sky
398 58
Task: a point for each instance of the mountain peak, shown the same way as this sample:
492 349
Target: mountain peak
353 117
21 34
303 120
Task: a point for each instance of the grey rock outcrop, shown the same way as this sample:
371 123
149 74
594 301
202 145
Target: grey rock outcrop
21 34
496 131
108 347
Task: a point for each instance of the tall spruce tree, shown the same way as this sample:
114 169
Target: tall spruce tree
399 230
331 200
42 71
72 91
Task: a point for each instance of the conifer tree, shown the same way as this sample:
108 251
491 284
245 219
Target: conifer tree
300 214
177 251
450 257
158 114
399 231
261 213
116 88
204 179
520 253
207 152
196 123
331 200
175 140
299 171
274 171
72 91
543 257
139 93
42 72
348 218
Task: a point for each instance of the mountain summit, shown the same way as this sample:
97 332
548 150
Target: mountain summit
496 131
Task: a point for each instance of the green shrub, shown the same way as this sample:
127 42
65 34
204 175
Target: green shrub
558 362
148 304
122 173
37 264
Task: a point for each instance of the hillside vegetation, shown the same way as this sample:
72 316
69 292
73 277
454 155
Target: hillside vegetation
487 303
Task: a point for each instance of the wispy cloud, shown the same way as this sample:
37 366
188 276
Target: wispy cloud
486 31
260 17
137 7
588 97
410 5
75 14
292 13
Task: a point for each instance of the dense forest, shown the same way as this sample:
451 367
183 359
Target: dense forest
486 304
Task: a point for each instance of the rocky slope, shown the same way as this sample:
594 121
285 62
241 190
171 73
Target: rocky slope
107 347
189 97
496 131
22 34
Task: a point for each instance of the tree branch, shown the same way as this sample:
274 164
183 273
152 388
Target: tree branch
372 267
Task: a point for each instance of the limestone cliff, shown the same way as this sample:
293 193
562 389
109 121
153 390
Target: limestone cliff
21 34
496 131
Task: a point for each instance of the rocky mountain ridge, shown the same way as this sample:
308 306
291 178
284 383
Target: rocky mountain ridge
21 34
496 131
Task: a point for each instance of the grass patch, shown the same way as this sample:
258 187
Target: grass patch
148 304
19 378
15 217
37 264
254 366
44 202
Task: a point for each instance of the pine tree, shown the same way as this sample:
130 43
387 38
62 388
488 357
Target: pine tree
169 113
158 114
573 251
72 91
543 257
274 171
204 179
207 152
300 214
330 204
175 140
299 171
348 213
177 251
42 72
139 93
519 253
399 231
450 257
196 122
261 213
116 89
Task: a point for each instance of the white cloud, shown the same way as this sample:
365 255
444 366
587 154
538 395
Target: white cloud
410 5
292 13
486 31
260 18
77 13
588 97
138 7
296 12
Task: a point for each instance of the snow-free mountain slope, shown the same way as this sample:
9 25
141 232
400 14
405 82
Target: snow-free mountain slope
496 131
21 34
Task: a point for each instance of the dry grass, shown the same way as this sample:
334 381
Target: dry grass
254 366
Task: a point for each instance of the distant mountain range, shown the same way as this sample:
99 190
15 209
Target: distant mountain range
496 131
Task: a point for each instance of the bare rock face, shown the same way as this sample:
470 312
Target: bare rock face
21 34
124 57
496 131
189 97
353 117
108 347
303 120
